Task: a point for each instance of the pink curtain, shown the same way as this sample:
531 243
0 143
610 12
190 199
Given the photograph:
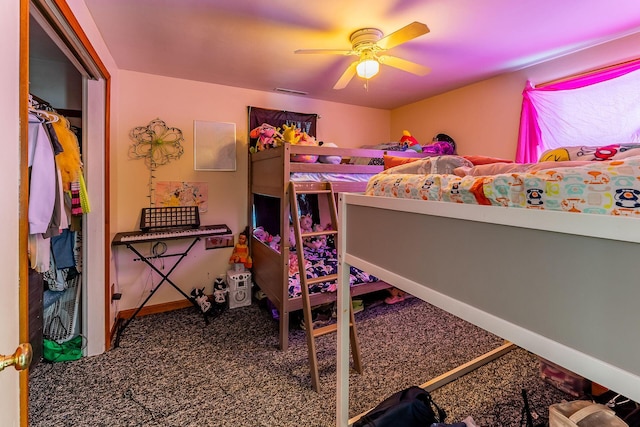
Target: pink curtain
529 139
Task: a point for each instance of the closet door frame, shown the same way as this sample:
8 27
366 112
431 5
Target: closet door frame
96 125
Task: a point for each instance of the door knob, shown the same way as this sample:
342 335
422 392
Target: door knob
21 359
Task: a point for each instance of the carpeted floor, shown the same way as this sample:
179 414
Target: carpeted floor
173 370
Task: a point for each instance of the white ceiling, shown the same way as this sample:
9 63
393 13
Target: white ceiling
250 43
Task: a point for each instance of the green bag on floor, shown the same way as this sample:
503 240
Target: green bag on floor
62 352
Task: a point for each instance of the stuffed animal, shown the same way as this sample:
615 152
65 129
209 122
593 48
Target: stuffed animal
291 134
260 234
315 242
409 142
274 243
306 223
295 136
334 160
201 299
267 137
220 290
442 144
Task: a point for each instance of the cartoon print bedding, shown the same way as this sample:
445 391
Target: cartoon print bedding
597 187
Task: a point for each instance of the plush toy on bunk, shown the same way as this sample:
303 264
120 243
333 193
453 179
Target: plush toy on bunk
267 136
294 136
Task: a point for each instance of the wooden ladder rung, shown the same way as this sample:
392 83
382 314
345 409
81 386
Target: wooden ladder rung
313 333
319 233
324 330
320 279
313 191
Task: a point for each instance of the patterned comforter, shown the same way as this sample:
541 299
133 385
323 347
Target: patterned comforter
597 187
321 262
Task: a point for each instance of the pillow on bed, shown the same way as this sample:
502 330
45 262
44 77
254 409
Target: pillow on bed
485 160
498 168
427 165
492 169
393 161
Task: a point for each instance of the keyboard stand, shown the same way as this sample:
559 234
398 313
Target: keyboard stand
165 278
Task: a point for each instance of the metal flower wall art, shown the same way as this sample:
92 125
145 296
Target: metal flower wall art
156 143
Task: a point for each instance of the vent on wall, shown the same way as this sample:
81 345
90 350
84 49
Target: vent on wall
290 91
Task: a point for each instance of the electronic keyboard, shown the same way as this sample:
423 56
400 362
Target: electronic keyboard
170 233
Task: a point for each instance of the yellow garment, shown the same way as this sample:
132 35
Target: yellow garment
69 161
84 196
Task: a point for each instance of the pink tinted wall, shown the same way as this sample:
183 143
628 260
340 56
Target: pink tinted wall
145 97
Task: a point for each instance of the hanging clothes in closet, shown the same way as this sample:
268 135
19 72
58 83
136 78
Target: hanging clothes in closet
57 198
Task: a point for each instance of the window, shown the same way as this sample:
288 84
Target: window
594 109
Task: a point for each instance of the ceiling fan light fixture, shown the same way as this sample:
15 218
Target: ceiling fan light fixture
367 68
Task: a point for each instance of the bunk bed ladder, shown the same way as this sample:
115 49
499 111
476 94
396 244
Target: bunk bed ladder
311 332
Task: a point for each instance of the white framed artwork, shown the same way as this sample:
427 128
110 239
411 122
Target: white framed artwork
214 146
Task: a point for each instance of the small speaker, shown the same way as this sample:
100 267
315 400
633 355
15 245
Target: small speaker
239 288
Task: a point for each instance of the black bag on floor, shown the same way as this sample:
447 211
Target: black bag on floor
411 407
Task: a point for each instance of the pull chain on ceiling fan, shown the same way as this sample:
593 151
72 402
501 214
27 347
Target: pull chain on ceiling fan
368 44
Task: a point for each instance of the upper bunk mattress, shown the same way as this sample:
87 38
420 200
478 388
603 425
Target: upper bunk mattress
331 177
607 188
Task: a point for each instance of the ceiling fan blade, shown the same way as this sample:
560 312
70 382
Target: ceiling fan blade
404 65
325 51
346 77
403 35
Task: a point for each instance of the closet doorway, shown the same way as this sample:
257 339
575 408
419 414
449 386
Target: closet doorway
64 71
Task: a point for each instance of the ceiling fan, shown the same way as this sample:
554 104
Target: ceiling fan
368 44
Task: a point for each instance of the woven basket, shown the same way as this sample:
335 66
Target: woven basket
582 413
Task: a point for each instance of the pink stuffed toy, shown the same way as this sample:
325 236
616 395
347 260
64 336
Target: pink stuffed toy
306 223
267 136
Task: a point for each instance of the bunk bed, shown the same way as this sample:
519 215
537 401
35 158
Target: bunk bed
553 274
271 172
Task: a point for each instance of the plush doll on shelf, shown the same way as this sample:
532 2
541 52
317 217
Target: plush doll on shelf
240 254
201 299
409 142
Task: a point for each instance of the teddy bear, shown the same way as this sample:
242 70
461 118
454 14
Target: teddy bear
306 223
315 242
260 234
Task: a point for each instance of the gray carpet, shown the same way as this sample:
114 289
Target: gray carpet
173 370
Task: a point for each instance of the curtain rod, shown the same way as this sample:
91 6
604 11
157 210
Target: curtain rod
586 73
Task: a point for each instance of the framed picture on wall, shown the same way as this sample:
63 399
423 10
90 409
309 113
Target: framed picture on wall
214 146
